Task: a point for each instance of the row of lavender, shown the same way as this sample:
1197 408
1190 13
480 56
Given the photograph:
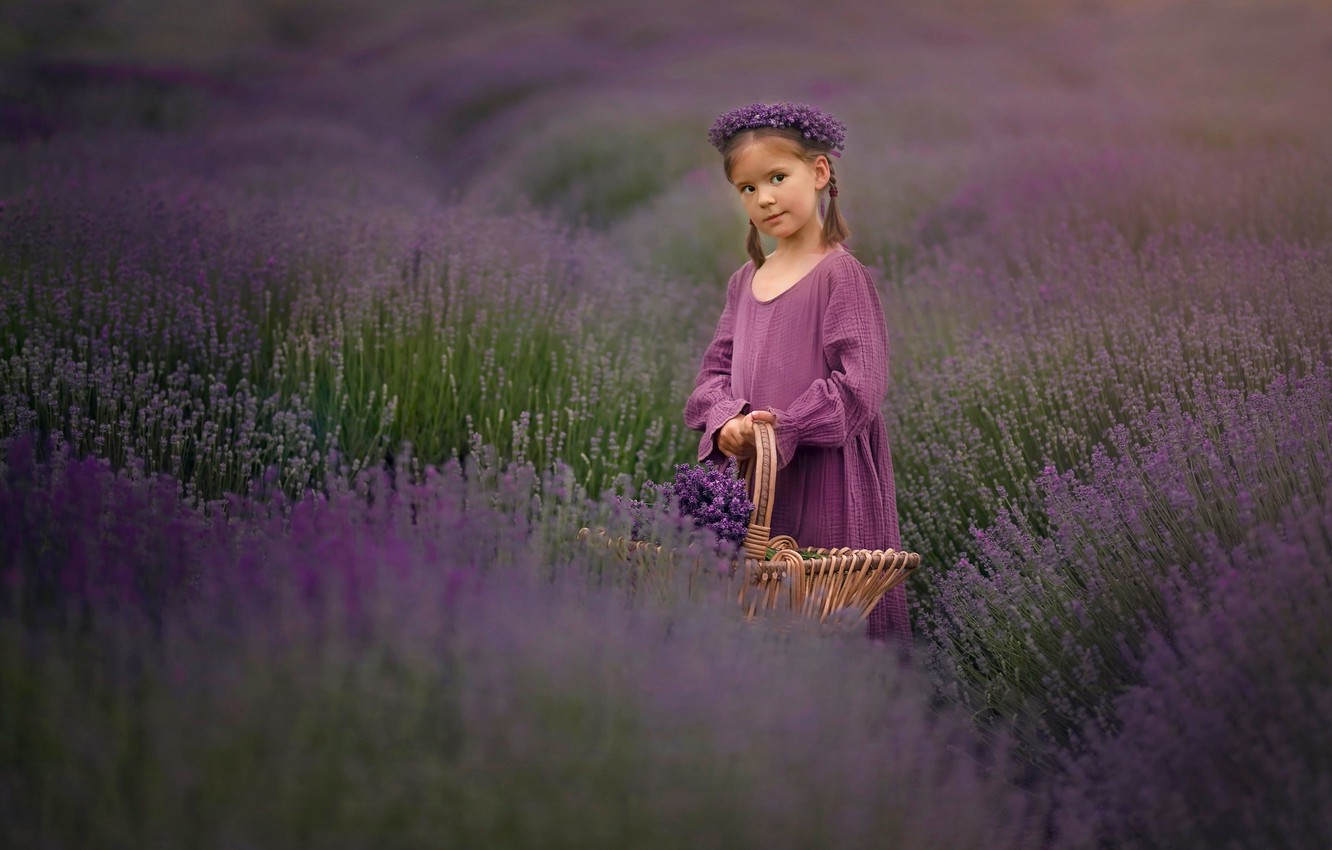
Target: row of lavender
194 656
427 662
1135 401
1129 417
218 332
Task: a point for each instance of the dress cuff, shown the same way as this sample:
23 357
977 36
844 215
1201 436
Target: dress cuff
722 413
788 436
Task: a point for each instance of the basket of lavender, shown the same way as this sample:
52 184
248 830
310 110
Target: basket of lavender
815 583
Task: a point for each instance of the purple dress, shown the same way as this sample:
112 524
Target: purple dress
817 356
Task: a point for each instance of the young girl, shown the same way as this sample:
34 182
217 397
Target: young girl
802 344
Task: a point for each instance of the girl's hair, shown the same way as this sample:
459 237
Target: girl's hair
835 228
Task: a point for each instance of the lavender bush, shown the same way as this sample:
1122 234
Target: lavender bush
1225 735
1057 362
1048 628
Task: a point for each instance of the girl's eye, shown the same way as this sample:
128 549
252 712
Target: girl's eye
747 187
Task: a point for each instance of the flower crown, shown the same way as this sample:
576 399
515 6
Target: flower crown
812 123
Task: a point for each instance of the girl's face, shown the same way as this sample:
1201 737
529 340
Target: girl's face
780 192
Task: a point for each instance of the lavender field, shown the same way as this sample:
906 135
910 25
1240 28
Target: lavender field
324 325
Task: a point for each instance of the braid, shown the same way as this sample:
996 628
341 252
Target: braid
754 245
835 228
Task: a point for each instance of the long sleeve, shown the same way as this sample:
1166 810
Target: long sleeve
834 410
710 405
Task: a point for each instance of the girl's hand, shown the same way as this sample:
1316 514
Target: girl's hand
736 437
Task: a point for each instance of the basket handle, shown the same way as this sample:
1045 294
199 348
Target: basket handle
760 473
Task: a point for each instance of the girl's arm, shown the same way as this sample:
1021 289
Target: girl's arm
710 405
836 409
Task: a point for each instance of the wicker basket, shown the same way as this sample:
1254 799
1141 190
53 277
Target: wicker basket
841 583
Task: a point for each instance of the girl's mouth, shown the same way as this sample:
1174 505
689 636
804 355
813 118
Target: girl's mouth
772 218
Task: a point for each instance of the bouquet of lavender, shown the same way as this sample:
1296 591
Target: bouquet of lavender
711 495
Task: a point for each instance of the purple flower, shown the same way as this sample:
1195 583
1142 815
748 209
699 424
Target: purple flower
710 495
